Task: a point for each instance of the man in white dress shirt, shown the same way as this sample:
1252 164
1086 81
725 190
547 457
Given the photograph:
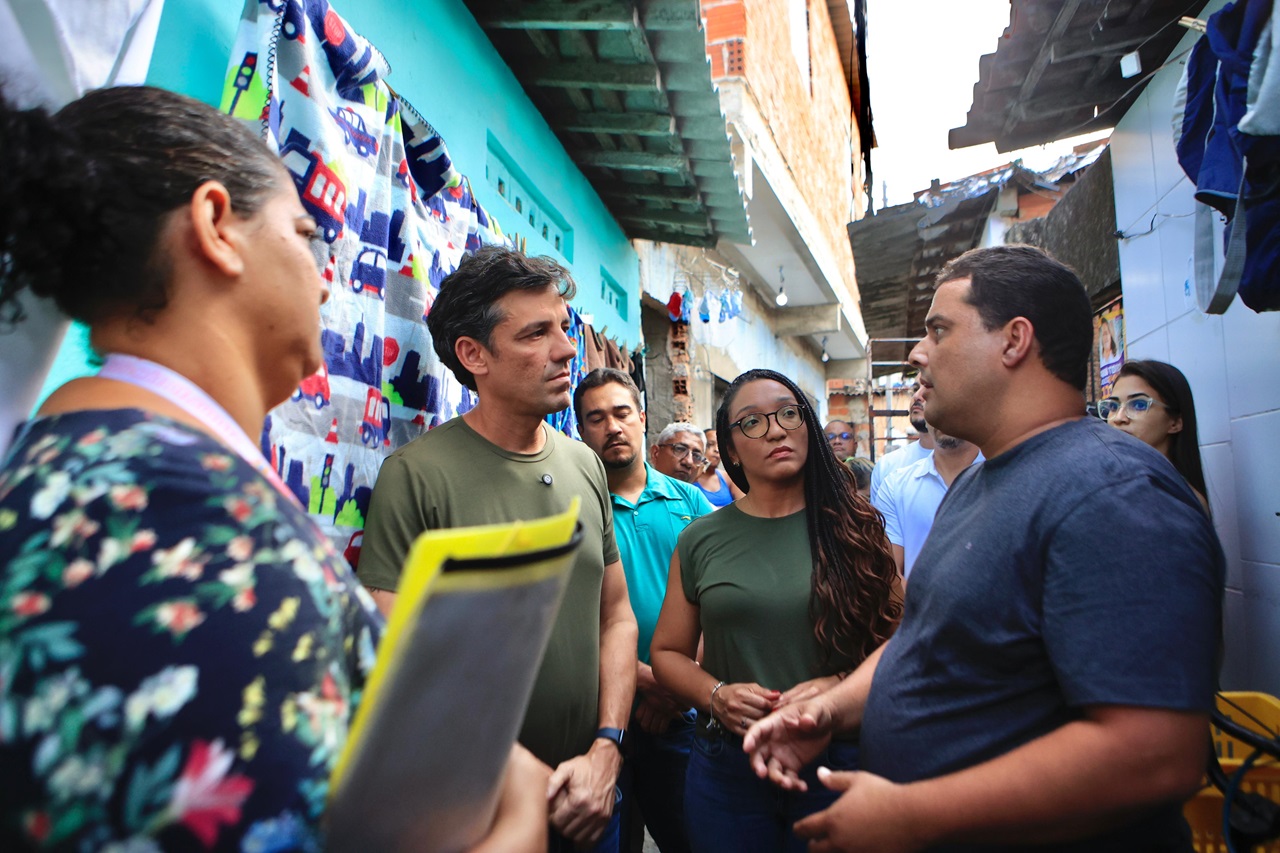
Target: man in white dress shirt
913 452
910 498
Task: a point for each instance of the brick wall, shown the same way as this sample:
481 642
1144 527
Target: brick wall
810 118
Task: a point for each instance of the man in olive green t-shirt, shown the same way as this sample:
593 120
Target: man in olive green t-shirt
499 323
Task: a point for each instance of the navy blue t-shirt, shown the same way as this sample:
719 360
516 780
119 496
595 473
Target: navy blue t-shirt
1076 569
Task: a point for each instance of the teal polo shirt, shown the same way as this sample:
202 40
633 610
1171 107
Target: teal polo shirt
646 532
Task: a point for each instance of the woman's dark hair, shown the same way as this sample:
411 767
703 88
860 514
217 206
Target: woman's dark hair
853 597
1023 281
861 467
1175 392
466 305
88 190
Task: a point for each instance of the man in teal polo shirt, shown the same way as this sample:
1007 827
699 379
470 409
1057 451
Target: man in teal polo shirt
649 511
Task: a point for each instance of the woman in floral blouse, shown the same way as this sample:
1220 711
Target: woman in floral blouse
181 650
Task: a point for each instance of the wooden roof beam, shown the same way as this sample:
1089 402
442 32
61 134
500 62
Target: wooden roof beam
697 221
633 160
563 15
640 124
1029 83
1111 41
595 75
1067 101
650 192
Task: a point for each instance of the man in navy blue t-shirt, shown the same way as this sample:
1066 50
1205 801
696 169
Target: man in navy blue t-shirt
1051 682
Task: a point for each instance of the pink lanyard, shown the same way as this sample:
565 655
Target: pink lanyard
189 397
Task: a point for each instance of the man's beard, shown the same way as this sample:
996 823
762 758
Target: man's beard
917 421
619 464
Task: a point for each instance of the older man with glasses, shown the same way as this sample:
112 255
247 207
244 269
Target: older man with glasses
679 452
840 436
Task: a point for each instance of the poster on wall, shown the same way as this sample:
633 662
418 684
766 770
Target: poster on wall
1108 337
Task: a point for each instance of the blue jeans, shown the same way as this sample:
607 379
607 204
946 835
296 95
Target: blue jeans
656 769
728 809
608 843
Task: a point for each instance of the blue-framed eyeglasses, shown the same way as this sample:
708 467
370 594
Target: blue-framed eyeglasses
1133 407
843 436
756 424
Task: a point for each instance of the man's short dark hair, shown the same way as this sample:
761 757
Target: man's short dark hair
595 379
1023 281
465 305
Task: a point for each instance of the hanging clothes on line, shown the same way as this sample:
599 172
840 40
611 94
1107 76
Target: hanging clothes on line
564 421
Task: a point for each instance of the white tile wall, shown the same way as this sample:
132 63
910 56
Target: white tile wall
1252 344
1262 626
1220 480
1159 96
1196 348
1175 227
1135 184
1257 470
1235 623
1142 279
1154 344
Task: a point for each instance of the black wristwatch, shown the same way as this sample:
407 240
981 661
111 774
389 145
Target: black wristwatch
618 736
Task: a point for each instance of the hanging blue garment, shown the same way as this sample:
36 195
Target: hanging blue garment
1235 172
564 420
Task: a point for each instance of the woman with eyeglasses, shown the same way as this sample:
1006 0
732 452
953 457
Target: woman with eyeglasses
181 649
790 587
1152 401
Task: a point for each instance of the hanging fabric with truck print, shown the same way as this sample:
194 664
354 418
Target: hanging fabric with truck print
395 217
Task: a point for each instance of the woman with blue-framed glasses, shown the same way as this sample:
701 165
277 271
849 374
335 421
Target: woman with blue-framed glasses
1152 401
790 587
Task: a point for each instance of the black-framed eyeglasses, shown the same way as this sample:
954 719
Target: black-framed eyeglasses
843 436
756 424
1134 406
680 451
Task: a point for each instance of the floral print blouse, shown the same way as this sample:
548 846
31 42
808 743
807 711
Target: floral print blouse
181 650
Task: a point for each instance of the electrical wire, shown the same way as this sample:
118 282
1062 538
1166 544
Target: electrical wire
1071 131
1244 712
1229 797
1120 235
1195 4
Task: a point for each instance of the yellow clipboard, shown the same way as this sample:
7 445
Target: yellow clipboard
422 765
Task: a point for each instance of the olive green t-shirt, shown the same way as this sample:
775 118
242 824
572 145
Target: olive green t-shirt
750 578
451 477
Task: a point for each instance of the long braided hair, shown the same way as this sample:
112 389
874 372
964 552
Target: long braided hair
854 600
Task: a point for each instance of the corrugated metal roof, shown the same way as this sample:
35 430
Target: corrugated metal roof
1056 69
900 251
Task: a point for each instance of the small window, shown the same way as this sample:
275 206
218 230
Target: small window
516 189
612 293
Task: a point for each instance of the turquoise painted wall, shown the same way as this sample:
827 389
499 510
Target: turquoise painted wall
443 64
